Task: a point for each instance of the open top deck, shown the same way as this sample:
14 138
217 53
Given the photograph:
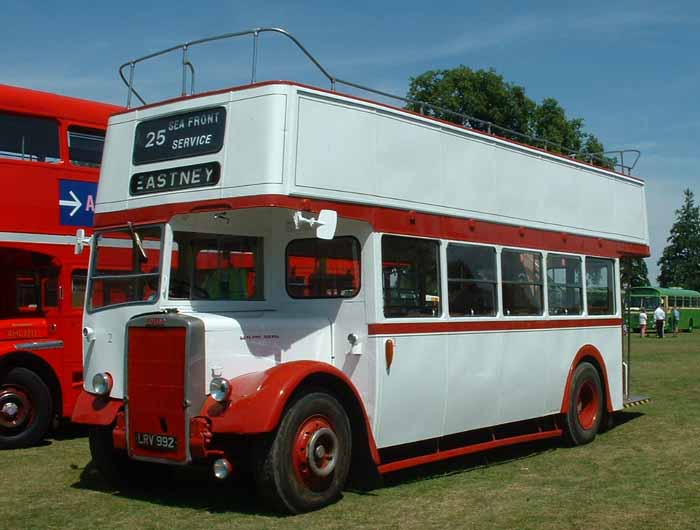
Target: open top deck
285 139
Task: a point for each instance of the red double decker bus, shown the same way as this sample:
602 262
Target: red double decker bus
50 152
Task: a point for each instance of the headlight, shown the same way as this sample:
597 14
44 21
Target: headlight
102 384
219 388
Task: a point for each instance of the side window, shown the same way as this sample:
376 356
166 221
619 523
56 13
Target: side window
600 286
410 277
564 285
216 267
29 138
471 280
85 146
521 274
78 283
318 268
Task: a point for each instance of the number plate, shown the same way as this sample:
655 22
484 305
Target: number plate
158 442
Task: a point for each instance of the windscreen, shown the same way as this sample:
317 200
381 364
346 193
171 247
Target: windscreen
126 267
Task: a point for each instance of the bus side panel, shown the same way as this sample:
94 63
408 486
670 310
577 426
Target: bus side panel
412 391
501 377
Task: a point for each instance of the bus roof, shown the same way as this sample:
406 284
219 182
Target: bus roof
37 103
663 291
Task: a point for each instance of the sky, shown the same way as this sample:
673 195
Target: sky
630 69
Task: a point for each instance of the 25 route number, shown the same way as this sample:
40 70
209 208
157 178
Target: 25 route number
153 138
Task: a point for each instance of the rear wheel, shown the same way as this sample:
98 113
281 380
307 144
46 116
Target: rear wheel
307 463
25 409
585 412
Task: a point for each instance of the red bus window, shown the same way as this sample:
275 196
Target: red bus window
85 146
29 138
317 268
78 285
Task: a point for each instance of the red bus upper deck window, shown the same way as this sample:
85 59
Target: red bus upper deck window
29 138
85 146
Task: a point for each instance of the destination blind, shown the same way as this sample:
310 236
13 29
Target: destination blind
175 178
194 133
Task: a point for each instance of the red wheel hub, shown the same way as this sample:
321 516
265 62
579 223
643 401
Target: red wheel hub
16 408
315 451
587 404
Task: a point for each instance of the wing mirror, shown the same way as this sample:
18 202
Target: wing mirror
326 222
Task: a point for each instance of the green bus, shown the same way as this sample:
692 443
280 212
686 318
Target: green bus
687 302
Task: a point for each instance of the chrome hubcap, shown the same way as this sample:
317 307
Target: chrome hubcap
321 452
9 411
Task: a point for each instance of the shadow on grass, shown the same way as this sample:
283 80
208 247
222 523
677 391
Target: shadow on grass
622 417
190 487
194 487
69 431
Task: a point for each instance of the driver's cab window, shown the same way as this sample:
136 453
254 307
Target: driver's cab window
216 267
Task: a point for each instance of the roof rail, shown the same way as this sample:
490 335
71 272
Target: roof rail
615 158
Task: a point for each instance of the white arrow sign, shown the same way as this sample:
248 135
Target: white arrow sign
75 203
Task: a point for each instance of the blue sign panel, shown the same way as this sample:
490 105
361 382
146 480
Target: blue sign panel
77 202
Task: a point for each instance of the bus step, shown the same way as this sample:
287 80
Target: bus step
635 399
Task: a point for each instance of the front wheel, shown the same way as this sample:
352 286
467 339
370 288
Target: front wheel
307 463
585 413
25 409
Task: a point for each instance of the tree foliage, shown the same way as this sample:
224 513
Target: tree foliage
680 261
486 96
633 273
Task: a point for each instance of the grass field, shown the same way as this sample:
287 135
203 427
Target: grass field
642 474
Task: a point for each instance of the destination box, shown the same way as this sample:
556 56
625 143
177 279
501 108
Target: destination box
175 178
179 136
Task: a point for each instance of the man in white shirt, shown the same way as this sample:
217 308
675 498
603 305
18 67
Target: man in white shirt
660 318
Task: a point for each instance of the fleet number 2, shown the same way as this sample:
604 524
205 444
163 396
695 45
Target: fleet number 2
153 138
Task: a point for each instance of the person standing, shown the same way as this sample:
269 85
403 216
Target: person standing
660 319
642 323
676 320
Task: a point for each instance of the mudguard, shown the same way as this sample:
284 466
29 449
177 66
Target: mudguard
91 409
587 350
257 400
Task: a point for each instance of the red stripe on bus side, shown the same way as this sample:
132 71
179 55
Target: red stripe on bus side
404 328
394 221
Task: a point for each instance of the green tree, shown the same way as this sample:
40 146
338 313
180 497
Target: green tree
680 262
485 95
482 94
633 272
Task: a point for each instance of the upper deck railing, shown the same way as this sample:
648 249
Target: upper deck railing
614 159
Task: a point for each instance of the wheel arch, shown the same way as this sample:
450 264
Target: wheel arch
38 365
259 400
591 354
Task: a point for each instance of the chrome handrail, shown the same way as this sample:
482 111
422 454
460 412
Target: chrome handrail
420 107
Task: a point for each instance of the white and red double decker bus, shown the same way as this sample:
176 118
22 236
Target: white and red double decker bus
50 150
322 284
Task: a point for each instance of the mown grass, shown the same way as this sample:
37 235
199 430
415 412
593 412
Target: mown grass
642 474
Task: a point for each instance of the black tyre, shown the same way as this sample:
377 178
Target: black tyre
307 462
25 409
690 326
583 420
